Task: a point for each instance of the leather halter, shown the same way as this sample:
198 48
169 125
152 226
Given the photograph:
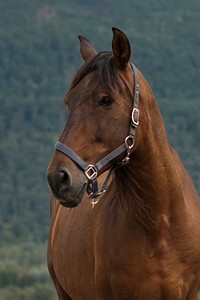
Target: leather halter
92 171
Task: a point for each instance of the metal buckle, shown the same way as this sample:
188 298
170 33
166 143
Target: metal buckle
91 172
135 116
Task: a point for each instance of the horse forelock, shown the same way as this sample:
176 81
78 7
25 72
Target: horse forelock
104 64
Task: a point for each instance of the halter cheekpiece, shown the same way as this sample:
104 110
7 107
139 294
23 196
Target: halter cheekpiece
92 171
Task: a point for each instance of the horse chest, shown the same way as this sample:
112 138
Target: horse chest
139 277
120 263
134 269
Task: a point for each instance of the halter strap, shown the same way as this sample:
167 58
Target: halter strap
91 171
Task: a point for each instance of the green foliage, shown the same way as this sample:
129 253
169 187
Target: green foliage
23 273
39 55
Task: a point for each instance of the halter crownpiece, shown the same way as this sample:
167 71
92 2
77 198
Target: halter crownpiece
92 171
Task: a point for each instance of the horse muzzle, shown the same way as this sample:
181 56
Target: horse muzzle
67 187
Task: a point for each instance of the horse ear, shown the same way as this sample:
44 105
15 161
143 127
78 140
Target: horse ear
86 48
121 48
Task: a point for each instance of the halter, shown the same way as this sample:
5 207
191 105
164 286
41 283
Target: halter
92 171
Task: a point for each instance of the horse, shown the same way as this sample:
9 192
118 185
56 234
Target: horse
125 215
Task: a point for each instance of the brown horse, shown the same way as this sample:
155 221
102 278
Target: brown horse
142 239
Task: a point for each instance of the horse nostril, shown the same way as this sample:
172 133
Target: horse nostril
64 180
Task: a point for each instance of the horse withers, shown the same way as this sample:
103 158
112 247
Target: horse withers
125 216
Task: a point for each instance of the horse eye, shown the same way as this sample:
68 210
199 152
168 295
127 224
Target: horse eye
105 101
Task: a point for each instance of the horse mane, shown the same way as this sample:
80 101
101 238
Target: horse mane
133 179
128 187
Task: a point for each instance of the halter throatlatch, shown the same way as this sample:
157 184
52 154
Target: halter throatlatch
92 171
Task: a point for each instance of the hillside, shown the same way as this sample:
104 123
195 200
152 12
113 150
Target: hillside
39 55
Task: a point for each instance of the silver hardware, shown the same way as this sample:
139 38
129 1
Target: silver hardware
129 142
94 201
125 161
135 116
92 195
91 172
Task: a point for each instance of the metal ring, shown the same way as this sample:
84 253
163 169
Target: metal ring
129 142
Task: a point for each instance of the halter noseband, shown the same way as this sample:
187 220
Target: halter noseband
91 171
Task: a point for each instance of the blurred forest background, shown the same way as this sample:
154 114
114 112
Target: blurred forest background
39 54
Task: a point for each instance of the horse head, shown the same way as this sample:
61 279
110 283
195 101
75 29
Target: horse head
100 103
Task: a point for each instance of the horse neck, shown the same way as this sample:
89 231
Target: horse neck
149 187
